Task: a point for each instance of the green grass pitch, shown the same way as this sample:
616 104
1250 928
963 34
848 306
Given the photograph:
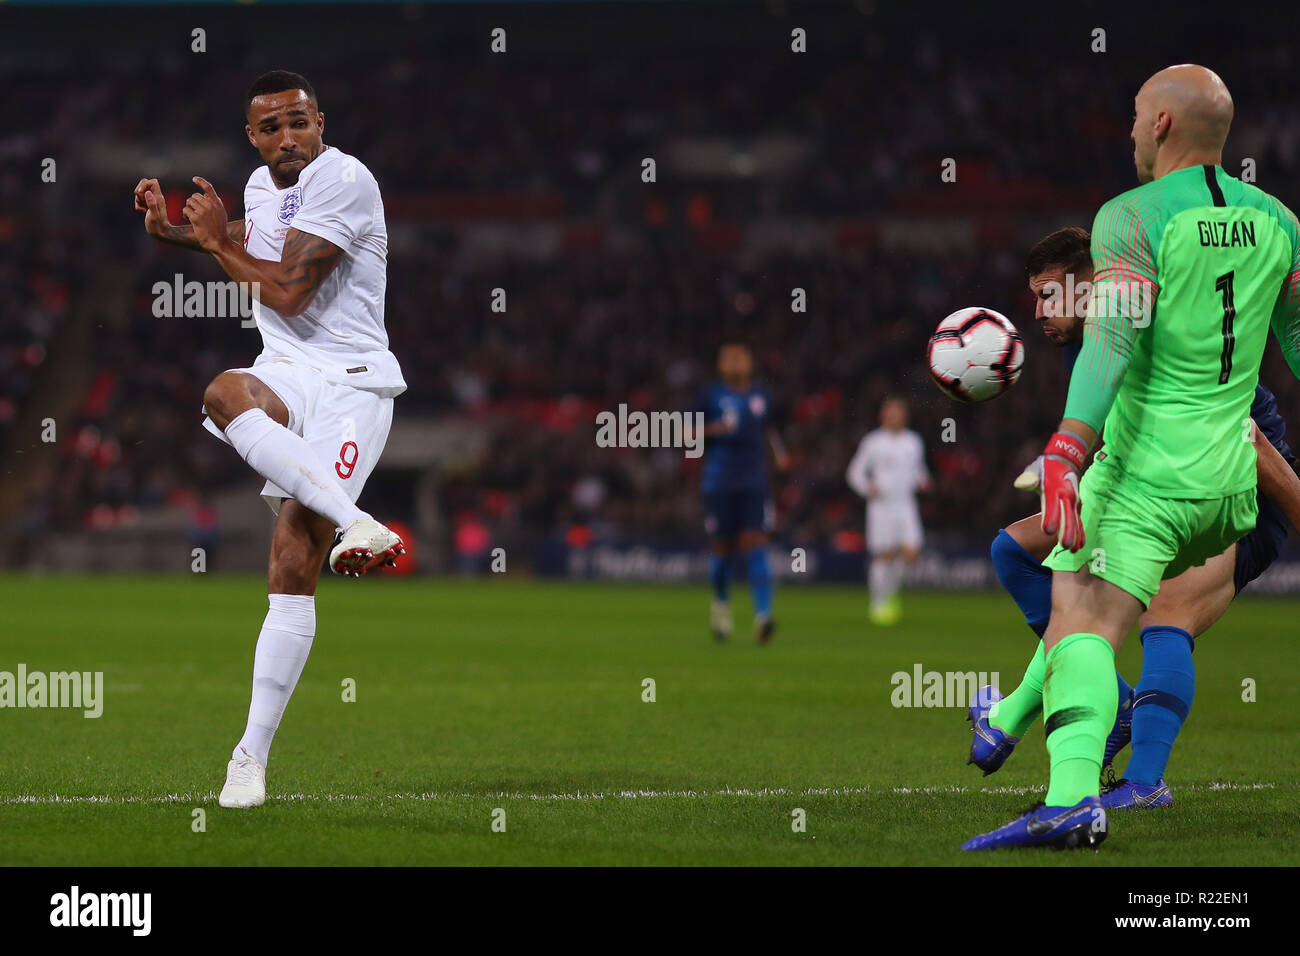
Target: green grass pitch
479 695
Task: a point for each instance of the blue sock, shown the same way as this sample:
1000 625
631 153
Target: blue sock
1026 580
760 581
719 576
1164 697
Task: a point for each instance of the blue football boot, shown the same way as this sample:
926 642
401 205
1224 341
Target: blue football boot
1083 824
1124 794
989 747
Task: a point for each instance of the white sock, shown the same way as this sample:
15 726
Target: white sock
897 569
282 650
282 457
881 581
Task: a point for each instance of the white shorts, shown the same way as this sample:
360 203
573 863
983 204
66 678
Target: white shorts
347 427
893 524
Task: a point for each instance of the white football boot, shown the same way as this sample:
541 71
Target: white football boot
720 620
245 782
365 544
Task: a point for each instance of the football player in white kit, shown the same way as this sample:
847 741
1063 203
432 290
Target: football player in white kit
312 414
888 470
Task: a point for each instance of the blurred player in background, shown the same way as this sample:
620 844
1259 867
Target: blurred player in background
312 414
1059 270
888 470
1192 266
738 510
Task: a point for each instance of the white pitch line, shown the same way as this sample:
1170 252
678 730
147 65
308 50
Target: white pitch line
581 796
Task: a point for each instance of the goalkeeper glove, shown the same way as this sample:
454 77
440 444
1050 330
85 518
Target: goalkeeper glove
1055 476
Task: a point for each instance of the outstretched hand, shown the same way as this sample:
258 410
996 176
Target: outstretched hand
205 212
1055 476
149 199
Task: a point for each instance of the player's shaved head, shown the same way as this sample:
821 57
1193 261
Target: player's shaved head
1181 118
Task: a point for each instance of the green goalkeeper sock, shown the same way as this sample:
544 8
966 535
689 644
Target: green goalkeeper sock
1079 700
1015 713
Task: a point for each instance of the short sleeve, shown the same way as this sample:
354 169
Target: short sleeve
338 204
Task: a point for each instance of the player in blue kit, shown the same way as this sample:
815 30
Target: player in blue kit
1059 269
738 510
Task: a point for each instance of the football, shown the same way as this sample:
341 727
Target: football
975 354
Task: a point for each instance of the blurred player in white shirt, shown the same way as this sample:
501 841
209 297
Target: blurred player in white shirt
888 470
312 414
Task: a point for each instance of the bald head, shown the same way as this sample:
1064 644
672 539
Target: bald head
1182 115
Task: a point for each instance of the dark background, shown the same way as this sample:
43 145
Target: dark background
521 171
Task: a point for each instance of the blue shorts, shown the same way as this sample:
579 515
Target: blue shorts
1260 548
728 513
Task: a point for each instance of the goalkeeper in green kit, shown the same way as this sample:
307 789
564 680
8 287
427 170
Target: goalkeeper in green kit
1190 270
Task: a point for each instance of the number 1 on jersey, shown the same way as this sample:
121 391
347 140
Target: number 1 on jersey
1223 285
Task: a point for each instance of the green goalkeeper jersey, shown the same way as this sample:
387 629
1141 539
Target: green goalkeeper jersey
1190 270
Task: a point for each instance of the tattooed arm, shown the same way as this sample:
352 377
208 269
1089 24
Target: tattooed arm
289 285
183 236
286 286
149 200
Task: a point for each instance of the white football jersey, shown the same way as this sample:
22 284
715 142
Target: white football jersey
341 332
893 462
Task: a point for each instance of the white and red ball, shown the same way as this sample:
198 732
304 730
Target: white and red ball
975 354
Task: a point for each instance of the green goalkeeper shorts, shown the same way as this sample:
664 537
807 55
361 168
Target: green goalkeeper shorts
1135 540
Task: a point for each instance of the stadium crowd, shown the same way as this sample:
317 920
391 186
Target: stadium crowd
593 324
